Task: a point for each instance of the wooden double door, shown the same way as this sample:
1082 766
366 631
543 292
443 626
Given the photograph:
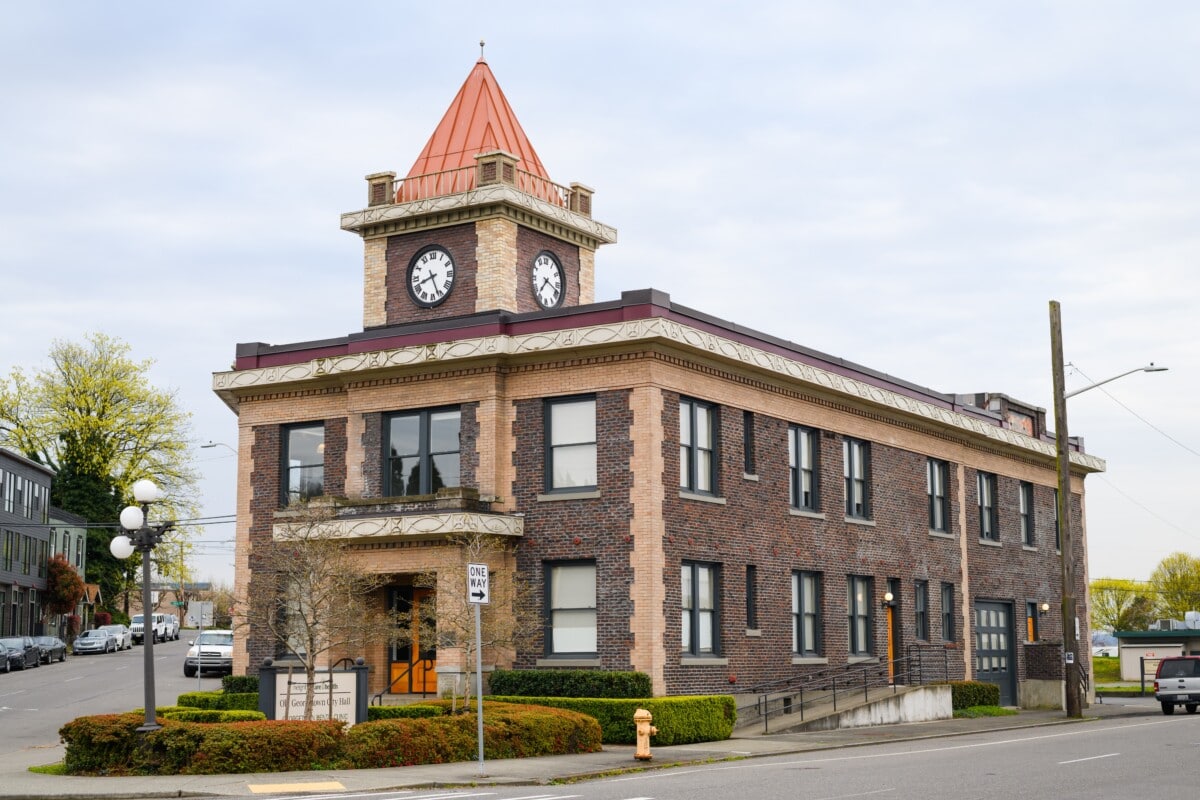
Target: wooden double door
412 667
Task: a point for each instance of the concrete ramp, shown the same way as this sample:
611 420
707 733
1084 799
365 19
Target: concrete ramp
882 706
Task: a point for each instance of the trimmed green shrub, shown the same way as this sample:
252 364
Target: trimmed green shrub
967 694
509 731
220 701
680 720
212 715
239 684
414 711
98 743
568 683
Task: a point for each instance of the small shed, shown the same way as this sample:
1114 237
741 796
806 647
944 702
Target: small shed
1141 650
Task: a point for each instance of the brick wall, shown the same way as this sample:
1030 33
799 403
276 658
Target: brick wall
458 240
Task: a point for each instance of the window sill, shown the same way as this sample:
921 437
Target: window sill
703 661
803 512
703 498
800 661
577 663
749 476
753 632
862 660
1029 548
940 534
869 523
556 496
989 543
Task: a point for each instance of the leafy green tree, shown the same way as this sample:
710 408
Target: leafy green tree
1120 605
94 417
1176 583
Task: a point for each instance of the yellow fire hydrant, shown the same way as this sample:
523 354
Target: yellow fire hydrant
641 719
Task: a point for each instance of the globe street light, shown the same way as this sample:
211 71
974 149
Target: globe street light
143 538
1071 665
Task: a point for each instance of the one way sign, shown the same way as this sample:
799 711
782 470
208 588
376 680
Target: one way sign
477 584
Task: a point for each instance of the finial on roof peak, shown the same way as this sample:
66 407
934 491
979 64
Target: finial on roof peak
481 43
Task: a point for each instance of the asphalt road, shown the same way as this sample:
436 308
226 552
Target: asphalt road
35 703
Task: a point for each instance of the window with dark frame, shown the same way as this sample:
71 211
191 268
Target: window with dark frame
806 613
422 451
936 473
697 446
1057 525
1031 621
748 443
988 528
700 622
303 462
948 612
570 438
751 597
802 467
856 457
570 608
921 610
860 615
1025 510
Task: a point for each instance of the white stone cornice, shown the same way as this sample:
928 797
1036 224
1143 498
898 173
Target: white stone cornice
643 331
431 525
496 193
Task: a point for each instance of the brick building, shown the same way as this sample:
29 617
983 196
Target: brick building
697 500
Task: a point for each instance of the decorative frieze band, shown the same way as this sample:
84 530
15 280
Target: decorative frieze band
412 526
634 332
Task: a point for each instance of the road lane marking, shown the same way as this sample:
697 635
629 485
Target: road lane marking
1089 758
888 790
278 788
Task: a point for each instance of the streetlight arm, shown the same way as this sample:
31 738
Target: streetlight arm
1150 368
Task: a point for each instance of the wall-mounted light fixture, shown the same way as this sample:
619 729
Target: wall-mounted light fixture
889 600
1044 609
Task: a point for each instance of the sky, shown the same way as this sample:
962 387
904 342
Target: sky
902 184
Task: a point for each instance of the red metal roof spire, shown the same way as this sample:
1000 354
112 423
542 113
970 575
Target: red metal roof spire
479 120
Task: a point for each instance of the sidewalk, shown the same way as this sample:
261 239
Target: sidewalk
17 781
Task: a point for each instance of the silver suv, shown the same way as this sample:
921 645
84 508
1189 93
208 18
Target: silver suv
1177 683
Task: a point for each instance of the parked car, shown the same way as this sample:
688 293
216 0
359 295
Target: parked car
27 650
52 648
123 635
1177 683
10 659
172 627
211 651
96 640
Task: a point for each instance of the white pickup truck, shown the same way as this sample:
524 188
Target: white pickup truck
158 628
1177 683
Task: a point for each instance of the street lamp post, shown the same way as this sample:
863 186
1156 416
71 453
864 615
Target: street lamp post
143 538
1071 666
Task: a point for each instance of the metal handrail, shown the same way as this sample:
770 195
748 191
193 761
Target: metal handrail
378 696
464 179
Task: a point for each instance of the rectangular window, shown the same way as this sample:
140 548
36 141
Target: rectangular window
856 457
987 507
948 612
936 473
1057 529
1025 506
748 443
697 446
921 610
859 610
422 451
571 608
700 625
570 444
752 597
79 553
303 462
802 467
1031 622
806 613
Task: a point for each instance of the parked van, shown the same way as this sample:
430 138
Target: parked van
158 626
1177 683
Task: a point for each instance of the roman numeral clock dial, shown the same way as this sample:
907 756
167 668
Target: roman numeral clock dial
548 280
430 276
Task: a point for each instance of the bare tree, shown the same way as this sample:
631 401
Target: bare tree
508 622
316 603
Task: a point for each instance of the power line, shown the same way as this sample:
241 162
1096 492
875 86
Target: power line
1145 421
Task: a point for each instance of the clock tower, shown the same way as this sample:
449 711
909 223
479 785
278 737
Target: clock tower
477 224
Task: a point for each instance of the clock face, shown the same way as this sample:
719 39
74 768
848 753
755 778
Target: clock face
548 283
430 276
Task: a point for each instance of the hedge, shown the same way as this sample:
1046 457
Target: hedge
569 683
110 744
220 701
680 720
414 711
967 694
211 715
239 684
